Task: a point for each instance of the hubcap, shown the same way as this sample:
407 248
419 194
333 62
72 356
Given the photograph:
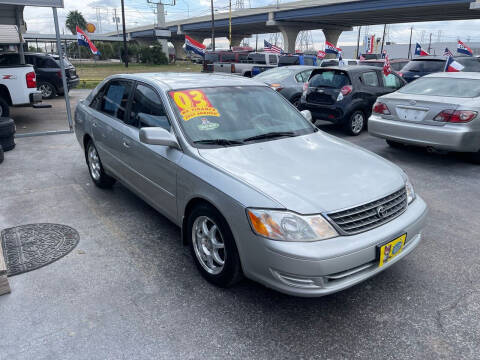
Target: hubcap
357 123
94 163
208 245
46 90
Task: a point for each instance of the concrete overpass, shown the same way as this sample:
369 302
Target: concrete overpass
331 16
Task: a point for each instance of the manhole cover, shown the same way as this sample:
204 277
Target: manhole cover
29 247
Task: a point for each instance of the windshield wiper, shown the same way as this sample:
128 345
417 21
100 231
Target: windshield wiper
270 135
221 142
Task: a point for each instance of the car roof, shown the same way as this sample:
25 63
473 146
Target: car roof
351 68
383 60
456 75
296 67
173 80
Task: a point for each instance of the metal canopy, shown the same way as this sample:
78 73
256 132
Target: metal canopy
16 7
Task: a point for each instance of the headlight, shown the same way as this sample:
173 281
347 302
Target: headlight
410 191
287 226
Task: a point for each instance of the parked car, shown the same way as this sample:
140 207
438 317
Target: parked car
245 67
18 87
287 80
219 156
395 64
345 95
337 62
425 65
223 57
439 111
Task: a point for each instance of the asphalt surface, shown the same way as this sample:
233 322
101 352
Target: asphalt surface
130 289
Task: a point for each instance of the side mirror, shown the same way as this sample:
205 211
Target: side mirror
158 136
307 115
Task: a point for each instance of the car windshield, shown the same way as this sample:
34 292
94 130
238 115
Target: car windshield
277 74
470 64
236 115
424 66
335 79
443 86
66 63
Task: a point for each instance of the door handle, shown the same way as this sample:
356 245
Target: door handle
126 144
94 124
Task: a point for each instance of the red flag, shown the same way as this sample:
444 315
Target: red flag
387 69
321 54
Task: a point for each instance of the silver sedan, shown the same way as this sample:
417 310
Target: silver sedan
256 188
439 111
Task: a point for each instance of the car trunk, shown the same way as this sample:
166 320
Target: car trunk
324 86
421 108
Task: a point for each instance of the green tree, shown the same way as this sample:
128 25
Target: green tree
75 18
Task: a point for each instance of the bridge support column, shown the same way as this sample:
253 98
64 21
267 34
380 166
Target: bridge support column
178 46
289 34
332 36
236 40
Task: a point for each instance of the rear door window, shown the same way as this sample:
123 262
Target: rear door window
369 78
257 58
330 79
147 109
228 57
115 99
392 81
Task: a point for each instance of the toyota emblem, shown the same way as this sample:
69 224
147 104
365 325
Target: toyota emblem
381 212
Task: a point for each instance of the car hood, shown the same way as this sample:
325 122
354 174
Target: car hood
311 173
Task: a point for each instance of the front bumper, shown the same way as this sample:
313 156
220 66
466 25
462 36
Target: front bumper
451 137
324 267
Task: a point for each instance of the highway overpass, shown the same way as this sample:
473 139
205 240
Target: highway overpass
331 16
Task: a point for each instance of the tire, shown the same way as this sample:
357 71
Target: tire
7 127
474 157
201 244
47 89
95 168
355 123
1 154
7 143
395 144
4 108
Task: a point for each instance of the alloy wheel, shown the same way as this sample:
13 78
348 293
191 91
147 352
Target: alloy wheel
94 162
208 245
46 90
357 123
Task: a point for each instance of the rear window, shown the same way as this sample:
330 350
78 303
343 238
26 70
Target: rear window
443 86
330 78
275 75
257 58
372 63
425 66
397 66
289 60
328 63
228 57
470 64
211 57
308 61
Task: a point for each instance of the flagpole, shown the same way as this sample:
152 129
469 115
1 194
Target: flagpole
358 42
383 37
230 24
410 44
213 26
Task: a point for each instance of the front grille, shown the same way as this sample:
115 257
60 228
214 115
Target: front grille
366 217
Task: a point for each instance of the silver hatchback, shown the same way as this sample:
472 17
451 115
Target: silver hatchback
256 188
439 111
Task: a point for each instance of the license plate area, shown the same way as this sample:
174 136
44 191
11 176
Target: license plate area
409 114
390 250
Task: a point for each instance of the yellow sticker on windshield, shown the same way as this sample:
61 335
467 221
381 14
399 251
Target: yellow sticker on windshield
193 103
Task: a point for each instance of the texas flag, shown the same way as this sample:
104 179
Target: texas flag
419 51
195 46
83 40
452 65
464 49
321 54
331 49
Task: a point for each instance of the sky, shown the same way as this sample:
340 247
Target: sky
140 12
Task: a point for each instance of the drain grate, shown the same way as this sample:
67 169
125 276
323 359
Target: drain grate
29 247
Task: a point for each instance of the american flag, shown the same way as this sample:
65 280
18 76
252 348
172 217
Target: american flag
447 52
267 47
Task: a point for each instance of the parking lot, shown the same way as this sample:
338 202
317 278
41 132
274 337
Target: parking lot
131 290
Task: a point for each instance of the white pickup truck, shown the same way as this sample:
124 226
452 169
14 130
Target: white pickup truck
18 86
244 68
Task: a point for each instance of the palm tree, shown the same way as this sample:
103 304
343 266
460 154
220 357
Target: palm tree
75 18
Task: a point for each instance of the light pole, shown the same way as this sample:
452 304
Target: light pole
125 49
213 26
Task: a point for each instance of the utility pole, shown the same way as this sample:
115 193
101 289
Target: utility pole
410 43
358 42
230 23
213 26
430 43
383 37
256 42
125 48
